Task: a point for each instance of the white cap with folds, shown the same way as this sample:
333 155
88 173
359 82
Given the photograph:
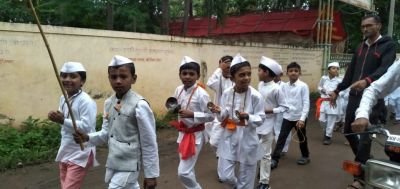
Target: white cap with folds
119 60
71 67
334 64
186 60
271 64
237 60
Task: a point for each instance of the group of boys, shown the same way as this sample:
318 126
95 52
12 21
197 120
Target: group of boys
242 131
244 120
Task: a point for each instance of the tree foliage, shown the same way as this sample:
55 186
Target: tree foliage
352 15
147 16
128 15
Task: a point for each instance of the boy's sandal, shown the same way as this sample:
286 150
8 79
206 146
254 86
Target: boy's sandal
355 185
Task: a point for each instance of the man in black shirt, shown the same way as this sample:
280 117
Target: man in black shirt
370 61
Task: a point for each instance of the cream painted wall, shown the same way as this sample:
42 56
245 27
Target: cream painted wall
29 87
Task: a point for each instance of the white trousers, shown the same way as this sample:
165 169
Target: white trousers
328 122
216 133
265 163
245 179
277 130
122 179
186 170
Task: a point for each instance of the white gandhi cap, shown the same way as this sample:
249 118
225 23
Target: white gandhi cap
119 60
186 60
334 64
237 60
271 64
71 67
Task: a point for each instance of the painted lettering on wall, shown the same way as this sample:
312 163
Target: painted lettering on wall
139 50
5 61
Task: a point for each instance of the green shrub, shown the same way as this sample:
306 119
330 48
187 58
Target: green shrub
314 96
99 121
162 121
35 142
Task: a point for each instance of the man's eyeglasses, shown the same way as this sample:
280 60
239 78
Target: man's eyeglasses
367 26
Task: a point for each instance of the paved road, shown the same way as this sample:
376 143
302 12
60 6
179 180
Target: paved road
323 172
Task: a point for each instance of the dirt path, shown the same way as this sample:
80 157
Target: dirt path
324 171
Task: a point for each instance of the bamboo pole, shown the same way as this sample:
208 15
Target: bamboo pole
331 28
55 69
319 22
326 32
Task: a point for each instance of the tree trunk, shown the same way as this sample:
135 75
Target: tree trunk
186 17
298 3
110 18
165 17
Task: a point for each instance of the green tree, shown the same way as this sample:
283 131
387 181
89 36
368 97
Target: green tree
352 15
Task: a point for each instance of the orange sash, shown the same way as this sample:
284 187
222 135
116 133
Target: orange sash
318 106
187 147
229 124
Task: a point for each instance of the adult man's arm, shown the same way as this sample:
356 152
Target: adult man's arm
378 89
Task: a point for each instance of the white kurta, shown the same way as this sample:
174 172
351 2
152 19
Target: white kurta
278 126
217 83
325 87
379 89
84 110
147 134
241 145
273 100
194 99
198 104
344 100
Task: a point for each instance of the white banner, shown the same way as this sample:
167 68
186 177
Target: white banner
364 4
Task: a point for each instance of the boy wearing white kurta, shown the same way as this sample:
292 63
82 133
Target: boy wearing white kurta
74 162
274 104
218 82
193 114
241 112
279 120
328 114
129 129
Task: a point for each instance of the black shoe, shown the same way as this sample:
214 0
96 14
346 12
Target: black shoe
303 161
274 164
327 141
263 186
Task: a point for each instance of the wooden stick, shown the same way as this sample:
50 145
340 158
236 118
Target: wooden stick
55 70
